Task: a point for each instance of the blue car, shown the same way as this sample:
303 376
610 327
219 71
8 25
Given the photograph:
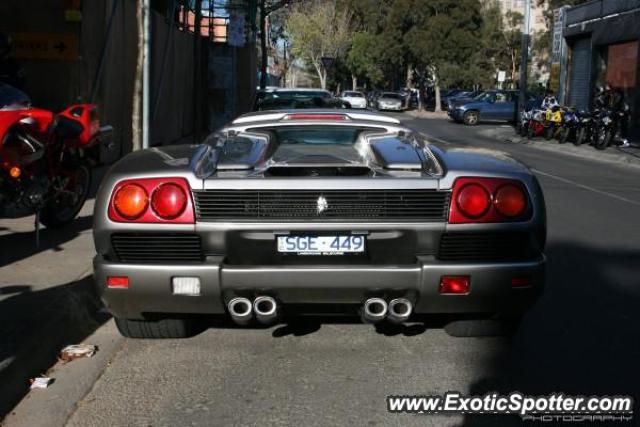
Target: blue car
493 105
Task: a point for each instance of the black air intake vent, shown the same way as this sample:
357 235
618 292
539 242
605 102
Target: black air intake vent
156 248
322 205
486 247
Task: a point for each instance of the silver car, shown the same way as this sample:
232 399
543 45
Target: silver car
315 211
354 99
389 101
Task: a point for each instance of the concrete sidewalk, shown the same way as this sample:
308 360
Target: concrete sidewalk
507 134
47 297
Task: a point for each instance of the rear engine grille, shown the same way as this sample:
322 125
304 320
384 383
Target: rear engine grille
486 247
156 248
295 205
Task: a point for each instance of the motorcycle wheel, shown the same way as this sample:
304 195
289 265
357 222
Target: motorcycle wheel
603 139
64 207
548 133
564 135
580 137
531 132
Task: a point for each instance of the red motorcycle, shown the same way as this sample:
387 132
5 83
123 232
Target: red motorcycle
45 158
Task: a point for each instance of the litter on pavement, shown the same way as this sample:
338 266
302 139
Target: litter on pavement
40 382
72 352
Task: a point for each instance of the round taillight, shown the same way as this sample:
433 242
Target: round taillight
168 201
473 200
510 200
131 201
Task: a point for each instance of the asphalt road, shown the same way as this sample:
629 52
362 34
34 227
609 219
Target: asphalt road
582 337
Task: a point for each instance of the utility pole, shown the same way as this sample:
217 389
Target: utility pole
263 45
522 99
197 70
146 73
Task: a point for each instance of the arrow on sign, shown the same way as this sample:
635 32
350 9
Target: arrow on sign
60 47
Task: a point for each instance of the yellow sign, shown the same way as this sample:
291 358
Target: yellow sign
44 46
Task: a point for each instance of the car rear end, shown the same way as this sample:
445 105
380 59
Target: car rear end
393 231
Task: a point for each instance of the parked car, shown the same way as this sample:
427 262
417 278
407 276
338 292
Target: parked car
389 101
461 98
354 98
499 105
377 221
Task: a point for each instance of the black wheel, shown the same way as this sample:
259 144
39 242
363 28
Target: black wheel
581 136
157 329
531 132
524 129
548 133
470 118
64 207
564 135
603 139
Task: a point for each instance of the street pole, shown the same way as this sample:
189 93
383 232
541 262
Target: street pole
524 58
263 45
146 72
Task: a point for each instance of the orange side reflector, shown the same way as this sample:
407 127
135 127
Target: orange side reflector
15 172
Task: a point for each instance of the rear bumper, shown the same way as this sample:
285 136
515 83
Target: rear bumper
150 285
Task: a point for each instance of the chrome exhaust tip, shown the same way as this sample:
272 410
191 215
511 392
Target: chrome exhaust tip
399 310
266 309
240 310
374 310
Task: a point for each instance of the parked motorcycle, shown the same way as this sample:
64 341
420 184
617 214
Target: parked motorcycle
553 122
607 126
537 123
45 158
569 126
585 128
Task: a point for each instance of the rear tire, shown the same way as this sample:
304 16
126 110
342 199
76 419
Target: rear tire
548 133
580 137
470 118
531 132
564 135
603 139
55 215
155 329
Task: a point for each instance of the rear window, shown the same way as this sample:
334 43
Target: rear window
296 100
391 95
316 135
353 95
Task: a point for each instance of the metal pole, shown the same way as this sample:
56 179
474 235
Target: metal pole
263 45
524 57
146 73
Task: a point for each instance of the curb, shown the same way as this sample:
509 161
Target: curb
611 154
58 316
55 405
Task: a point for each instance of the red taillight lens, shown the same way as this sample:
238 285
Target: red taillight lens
131 201
482 200
510 200
473 200
168 201
118 282
458 285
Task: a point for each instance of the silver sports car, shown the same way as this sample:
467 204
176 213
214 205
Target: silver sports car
315 211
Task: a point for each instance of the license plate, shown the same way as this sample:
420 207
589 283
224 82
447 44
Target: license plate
321 245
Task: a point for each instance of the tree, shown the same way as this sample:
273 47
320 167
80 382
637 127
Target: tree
317 29
364 57
444 40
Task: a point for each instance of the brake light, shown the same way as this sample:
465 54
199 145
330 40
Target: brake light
455 285
473 200
481 200
170 201
121 282
131 201
510 200
310 116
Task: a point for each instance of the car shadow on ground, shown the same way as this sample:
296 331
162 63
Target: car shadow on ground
21 245
34 326
581 338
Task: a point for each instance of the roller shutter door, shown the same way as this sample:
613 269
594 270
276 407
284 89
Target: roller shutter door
580 83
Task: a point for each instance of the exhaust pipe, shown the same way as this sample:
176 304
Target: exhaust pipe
240 310
374 310
400 310
266 309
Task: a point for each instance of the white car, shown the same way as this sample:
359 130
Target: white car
355 99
